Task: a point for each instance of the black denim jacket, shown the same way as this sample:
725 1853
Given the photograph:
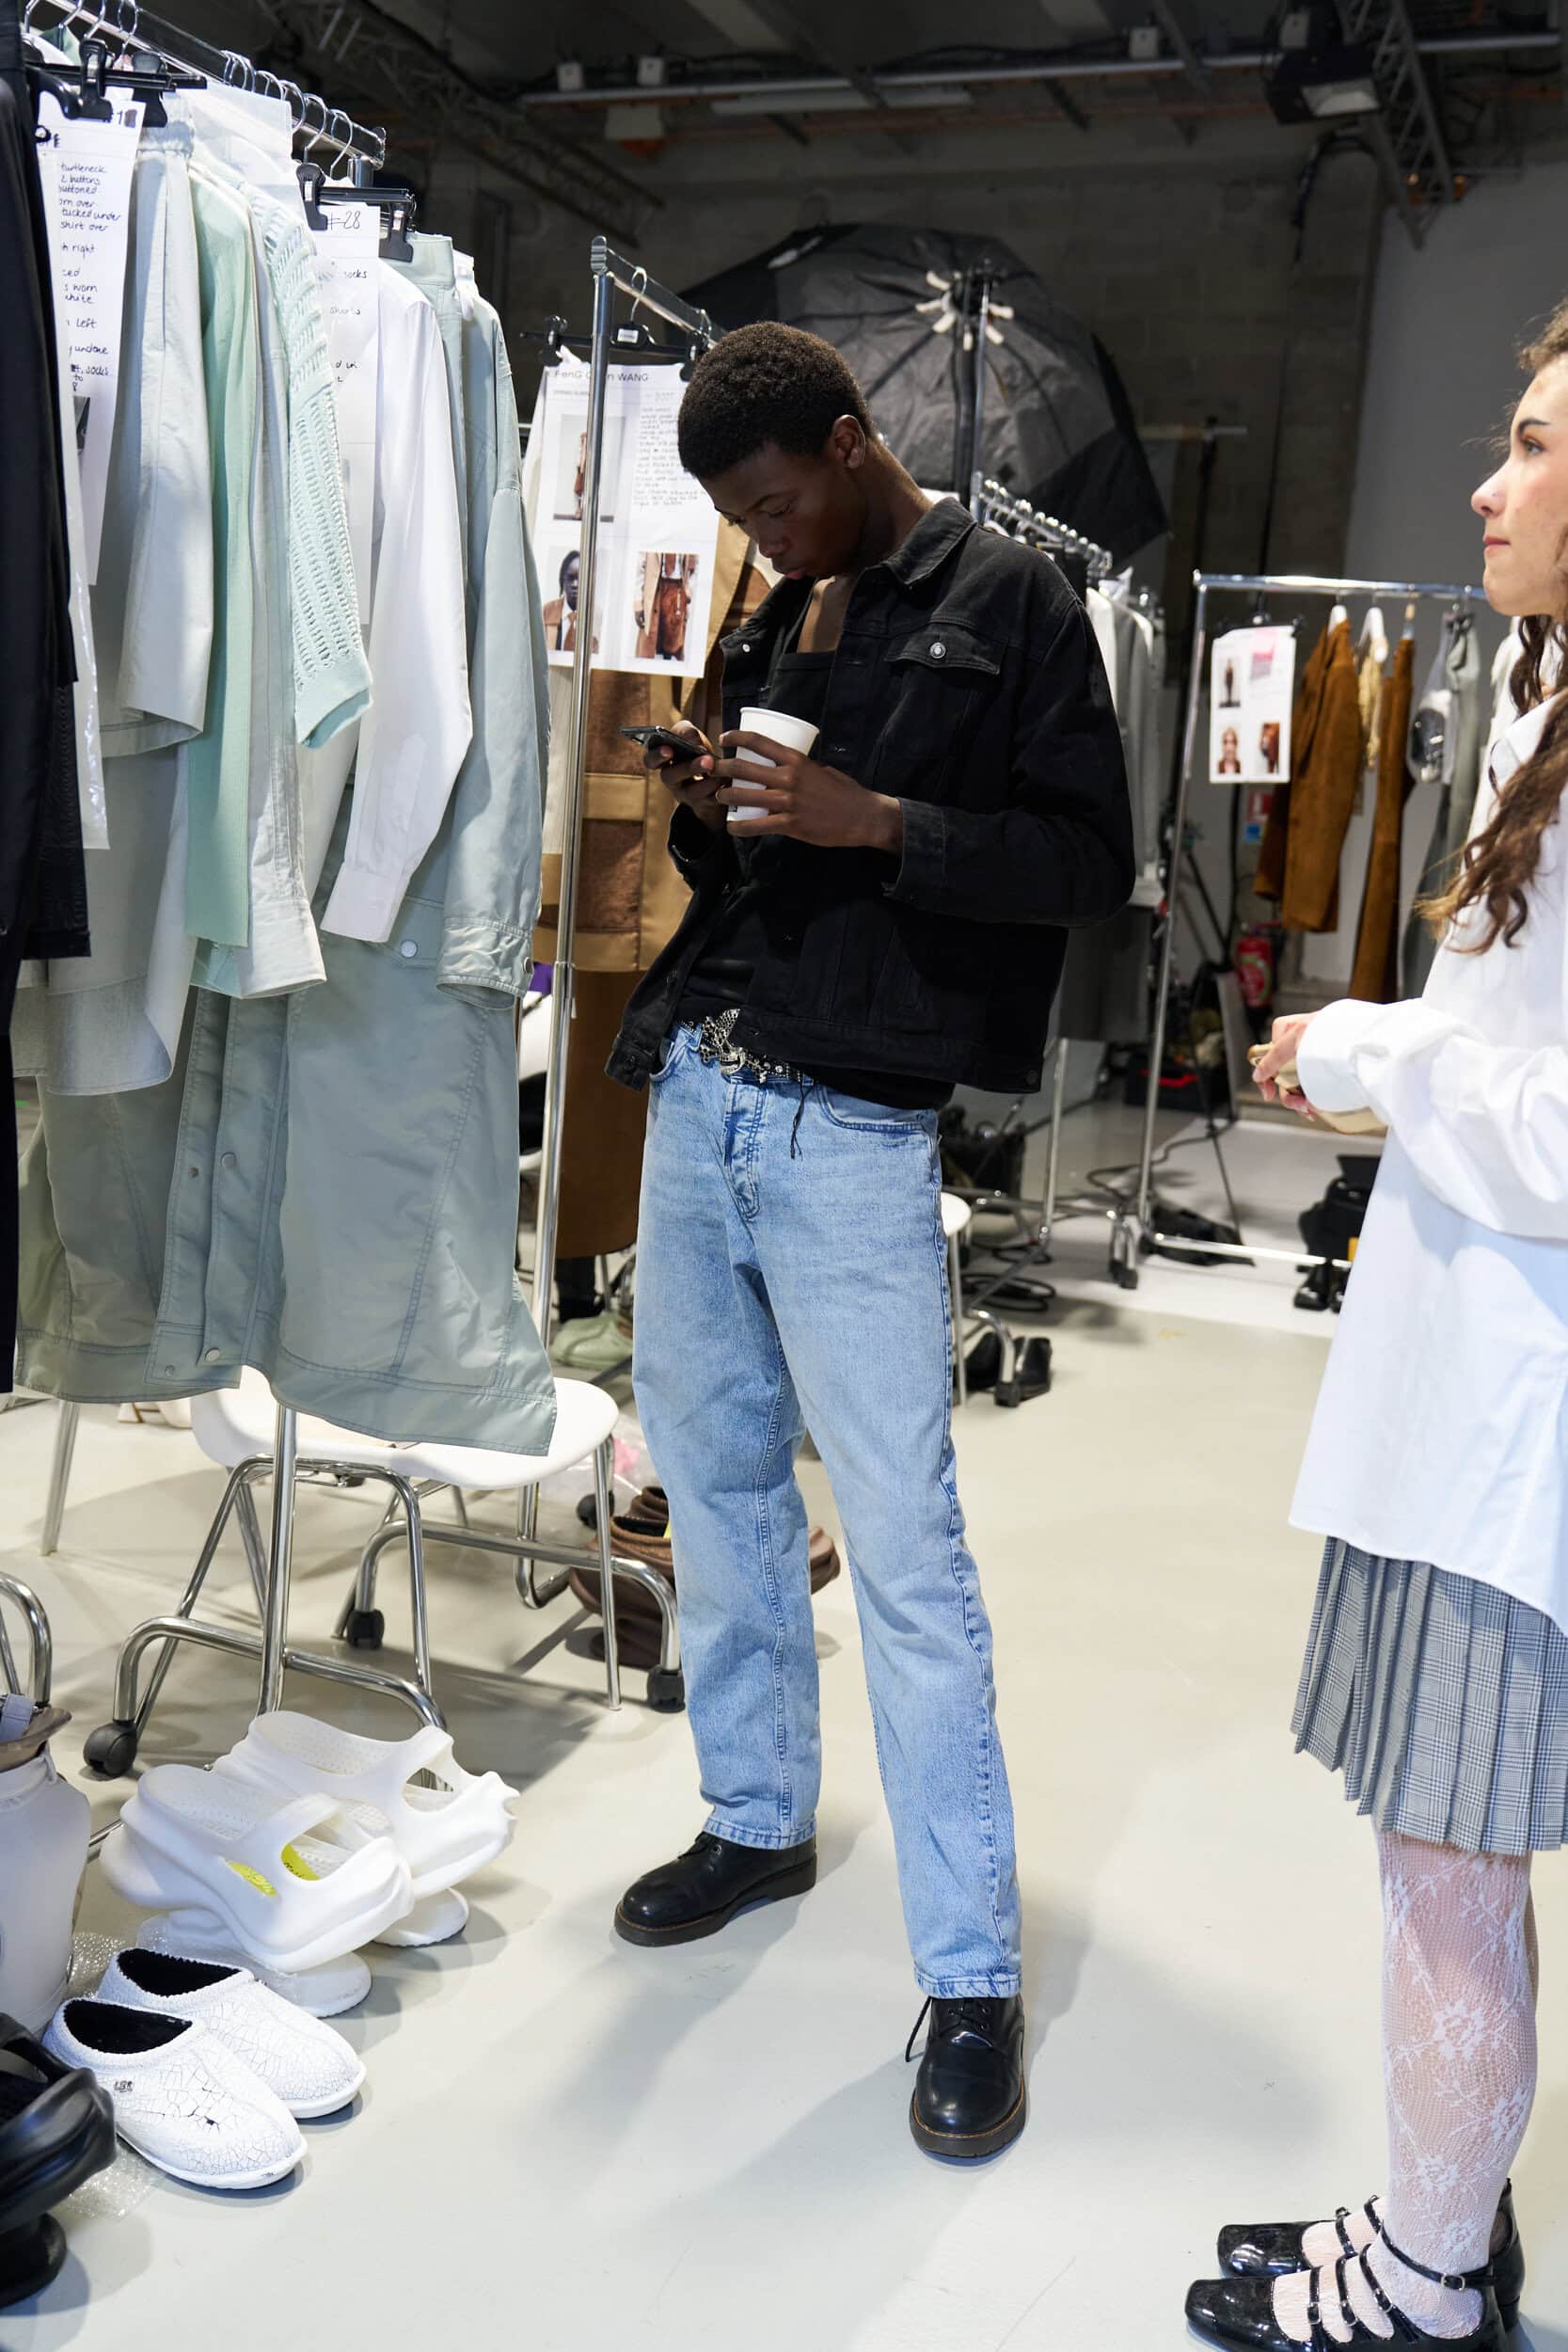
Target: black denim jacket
969 686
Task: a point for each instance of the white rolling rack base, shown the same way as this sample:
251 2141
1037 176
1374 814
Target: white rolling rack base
1135 1230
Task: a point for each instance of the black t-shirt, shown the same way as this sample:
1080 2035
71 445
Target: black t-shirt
727 959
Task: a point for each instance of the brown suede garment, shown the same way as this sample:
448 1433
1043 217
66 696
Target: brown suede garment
1299 864
1377 976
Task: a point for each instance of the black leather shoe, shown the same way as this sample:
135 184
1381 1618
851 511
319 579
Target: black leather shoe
713 1882
969 2096
1271 2249
57 2130
1240 2311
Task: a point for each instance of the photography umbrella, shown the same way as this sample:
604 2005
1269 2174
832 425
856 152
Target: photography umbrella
902 305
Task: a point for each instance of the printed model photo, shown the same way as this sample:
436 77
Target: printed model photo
664 584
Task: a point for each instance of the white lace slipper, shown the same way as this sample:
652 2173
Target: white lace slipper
446 1822
304 2063
326 1991
293 1882
182 2099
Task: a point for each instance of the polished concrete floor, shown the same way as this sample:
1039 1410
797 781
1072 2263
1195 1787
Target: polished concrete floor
568 2145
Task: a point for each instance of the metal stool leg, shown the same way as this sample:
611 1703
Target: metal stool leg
604 1469
275 1621
255 1547
113 1747
41 1664
59 1476
418 1605
1053 1165
955 1289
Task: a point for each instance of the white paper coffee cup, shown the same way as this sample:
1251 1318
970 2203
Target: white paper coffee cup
794 734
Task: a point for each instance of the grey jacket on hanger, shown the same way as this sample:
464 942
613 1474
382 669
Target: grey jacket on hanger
1447 741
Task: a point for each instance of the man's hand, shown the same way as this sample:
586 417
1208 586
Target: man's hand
692 781
1287 1037
798 796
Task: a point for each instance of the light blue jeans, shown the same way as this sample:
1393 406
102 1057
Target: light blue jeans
791 1270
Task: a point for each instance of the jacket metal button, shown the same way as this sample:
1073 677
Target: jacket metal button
231 1159
938 649
214 1356
409 946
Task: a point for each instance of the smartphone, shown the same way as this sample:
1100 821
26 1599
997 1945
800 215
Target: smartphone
663 740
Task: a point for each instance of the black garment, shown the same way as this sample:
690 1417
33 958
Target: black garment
968 684
737 939
42 887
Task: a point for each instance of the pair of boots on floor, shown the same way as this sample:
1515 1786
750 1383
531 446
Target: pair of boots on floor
1436 2259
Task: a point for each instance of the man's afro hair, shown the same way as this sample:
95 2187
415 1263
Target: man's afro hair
760 383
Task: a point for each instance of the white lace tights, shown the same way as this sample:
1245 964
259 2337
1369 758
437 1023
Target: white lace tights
1459 1979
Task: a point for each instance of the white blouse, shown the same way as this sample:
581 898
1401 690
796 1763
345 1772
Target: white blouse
1440 1433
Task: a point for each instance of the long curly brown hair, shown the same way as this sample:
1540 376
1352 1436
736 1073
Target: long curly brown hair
1497 867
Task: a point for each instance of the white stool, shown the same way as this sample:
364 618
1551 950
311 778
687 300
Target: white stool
234 1427
956 1219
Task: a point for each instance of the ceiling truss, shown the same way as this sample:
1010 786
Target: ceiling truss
364 58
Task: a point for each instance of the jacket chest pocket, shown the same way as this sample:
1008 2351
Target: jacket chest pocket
942 674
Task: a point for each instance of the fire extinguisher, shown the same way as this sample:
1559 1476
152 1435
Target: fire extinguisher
1256 953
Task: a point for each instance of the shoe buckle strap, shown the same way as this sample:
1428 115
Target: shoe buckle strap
1391 2311
1345 2312
1455 2279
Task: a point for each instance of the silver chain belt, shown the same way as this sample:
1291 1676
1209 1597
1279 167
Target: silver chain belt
716 1045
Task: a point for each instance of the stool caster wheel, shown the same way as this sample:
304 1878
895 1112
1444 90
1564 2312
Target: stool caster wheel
366 1629
666 1689
112 1749
1031 1376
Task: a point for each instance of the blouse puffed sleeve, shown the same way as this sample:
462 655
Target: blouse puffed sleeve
1485 1125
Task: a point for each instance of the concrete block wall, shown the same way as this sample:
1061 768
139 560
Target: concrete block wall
1185 266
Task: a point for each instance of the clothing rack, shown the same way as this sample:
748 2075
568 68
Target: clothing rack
272 1574
995 503
612 276
134 28
1133 1231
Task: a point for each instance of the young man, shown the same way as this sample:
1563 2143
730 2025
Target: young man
888 920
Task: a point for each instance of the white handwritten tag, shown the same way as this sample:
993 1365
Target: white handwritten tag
346 253
86 168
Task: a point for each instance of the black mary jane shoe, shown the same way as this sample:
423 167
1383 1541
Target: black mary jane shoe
1271 2249
971 2100
711 1883
1240 2311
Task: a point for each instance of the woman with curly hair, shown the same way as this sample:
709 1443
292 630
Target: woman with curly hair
1436 1671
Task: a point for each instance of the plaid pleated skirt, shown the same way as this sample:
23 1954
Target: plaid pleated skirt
1443 1702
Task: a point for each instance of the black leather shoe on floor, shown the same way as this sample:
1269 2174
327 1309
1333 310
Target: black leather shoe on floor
970 2098
712 1883
56 2129
1240 2311
1271 2249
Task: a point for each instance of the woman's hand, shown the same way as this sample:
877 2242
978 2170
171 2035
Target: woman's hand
1283 1047
692 781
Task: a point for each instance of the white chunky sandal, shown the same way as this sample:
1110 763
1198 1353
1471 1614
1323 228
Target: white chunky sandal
182 2099
446 1822
308 2067
291 1883
328 1990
